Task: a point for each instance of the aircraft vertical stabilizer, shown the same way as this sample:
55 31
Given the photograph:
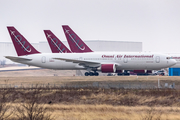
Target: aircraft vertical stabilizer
74 41
55 44
22 46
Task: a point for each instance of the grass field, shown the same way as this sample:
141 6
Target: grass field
99 104
108 112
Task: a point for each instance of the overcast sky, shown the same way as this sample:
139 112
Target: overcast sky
155 23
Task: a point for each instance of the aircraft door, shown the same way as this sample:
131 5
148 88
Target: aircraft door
157 59
43 60
125 60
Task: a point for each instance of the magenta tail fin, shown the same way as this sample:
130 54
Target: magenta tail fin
55 44
22 46
74 41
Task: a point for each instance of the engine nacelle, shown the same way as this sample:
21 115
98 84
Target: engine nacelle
105 68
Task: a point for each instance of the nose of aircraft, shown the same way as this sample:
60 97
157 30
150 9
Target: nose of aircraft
172 62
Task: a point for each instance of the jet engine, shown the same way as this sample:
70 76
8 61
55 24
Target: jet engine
105 68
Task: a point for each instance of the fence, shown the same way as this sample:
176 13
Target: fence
112 85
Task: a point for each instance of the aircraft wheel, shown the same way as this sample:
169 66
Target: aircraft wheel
96 73
86 74
126 74
120 74
91 73
146 74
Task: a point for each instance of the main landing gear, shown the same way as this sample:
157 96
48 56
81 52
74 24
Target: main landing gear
91 74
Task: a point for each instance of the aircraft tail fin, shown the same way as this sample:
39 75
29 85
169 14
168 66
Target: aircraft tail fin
22 46
55 44
74 41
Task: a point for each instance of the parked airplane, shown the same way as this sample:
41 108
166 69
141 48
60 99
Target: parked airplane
73 39
92 61
55 44
75 43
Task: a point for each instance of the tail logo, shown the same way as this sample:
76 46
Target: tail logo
56 44
72 37
18 39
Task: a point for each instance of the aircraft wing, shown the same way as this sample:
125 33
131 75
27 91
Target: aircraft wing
81 62
17 59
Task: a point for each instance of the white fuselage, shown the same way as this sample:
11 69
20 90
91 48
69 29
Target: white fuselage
124 60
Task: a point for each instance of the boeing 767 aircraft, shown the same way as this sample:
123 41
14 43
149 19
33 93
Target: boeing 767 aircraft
90 61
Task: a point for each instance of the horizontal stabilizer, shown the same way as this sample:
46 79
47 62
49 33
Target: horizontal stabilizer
17 59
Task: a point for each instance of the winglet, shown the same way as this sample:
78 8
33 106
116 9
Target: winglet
74 41
22 46
55 44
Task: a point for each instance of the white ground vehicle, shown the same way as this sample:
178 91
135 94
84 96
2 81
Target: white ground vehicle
160 72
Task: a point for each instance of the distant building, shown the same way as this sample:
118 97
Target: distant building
102 45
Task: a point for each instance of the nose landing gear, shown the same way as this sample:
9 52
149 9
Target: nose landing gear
91 73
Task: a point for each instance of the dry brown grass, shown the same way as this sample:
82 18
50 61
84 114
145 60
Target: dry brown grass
102 104
115 110
109 112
